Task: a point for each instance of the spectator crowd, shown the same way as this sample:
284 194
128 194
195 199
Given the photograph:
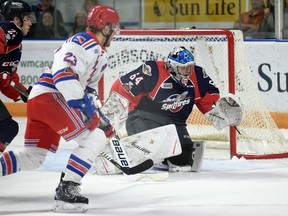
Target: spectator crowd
50 22
258 22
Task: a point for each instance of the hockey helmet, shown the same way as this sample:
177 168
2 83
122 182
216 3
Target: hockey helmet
17 8
179 57
99 16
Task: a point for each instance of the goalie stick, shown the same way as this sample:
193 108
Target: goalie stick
118 149
147 164
122 156
129 170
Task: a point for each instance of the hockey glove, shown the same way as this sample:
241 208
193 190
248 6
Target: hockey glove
228 111
23 97
5 78
108 130
88 111
106 126
8 66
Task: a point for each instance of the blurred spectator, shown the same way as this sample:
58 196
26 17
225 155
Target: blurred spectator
79 24
88 4
47 5
285 19
250 22
40 8
268 25
47 28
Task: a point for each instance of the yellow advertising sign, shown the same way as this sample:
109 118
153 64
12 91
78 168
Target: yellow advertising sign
193 10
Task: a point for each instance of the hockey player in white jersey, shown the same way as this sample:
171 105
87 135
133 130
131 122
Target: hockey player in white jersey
59 105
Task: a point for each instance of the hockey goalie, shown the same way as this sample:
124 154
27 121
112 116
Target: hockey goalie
161 93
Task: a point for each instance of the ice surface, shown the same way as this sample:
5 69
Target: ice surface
223 187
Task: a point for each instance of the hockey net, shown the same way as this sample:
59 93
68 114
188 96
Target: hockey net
222 54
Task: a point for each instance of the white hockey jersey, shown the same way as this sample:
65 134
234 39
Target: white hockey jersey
87 59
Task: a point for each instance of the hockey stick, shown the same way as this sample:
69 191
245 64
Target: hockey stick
122 158
129 170
115 142
19 89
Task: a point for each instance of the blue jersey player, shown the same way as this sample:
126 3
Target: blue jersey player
17 18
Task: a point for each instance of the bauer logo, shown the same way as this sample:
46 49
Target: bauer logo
120 153
143 149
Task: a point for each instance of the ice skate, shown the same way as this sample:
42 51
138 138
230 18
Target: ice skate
178 168
172 167
68 198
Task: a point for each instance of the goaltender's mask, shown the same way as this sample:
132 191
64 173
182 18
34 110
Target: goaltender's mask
180 64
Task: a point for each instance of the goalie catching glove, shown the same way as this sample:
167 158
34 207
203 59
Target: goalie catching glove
228 111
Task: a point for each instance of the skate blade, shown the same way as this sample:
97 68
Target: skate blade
64 207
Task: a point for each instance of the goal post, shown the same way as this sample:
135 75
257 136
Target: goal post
222 54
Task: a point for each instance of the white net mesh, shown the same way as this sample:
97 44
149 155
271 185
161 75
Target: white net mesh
259 133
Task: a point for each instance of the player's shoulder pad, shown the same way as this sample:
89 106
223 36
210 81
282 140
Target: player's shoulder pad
151 63
200 72
81 38
12 33
149 67
8 26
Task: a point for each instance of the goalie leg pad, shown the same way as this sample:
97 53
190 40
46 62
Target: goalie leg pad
196 155
103 166
150 144
187 147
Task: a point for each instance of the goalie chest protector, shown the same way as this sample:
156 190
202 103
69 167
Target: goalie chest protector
156 91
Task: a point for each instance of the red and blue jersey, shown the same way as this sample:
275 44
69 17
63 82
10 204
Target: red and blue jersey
79 63
151 88
11 37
